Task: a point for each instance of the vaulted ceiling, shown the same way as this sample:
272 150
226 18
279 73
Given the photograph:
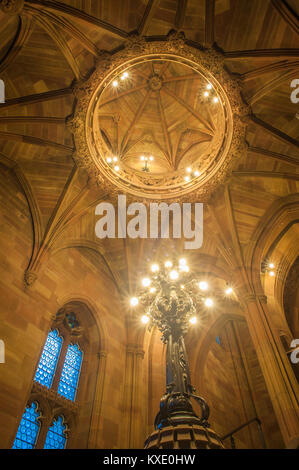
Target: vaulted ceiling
51 45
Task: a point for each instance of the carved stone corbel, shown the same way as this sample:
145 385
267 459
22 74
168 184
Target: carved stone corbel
12 7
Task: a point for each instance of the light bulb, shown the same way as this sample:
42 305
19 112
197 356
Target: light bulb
173 275
124 75
152 290
185 268
271 265
215 99
155 268
206 93
182 286
187 178
197 173
145 319
134 301
193 320
115 159
228 290
116 168
209 303
146 282
272 273
203 285
115 83
182 262
209 86
109 160
142 158
189 169
151 158
168 264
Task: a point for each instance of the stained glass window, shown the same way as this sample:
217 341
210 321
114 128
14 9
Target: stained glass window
28 428
48 361
70 372
56 437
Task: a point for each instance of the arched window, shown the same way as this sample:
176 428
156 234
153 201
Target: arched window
56 436
60 363
70 372
28 429
48 361
64 382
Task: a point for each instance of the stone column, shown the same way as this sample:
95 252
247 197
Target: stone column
93 439
280 380
133 430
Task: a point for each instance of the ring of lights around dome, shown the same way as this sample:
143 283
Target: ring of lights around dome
102 127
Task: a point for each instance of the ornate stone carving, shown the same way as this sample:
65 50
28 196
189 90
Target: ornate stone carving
12 7
90 149
29 278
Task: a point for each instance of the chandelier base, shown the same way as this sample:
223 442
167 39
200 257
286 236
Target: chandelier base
184 436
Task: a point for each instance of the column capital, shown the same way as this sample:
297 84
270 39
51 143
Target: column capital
102 354
255 298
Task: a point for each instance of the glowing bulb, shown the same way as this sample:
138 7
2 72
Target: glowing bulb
142 158
193 320
203 285
146 282
116 168
115 83
272 273
145 319
115 159
151 158
206 93
109 160
134 301
228 290
271 265
185 268
209 303
155 268
196 173
215 99
173 275
182 286
209 86
168 264
124 75
182 262
188 169
187 178
152 290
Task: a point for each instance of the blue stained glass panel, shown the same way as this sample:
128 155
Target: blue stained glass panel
28 429
70 372
56 438
48 361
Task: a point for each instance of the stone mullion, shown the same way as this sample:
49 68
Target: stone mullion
45 424
61 360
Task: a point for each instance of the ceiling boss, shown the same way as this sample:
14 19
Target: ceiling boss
165 101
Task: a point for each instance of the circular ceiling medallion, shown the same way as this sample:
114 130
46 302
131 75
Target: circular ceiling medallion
159 120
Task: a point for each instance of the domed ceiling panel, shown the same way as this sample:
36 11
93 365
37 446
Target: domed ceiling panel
159 119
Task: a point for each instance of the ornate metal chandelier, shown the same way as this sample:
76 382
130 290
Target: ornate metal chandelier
171 299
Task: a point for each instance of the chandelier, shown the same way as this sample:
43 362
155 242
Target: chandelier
172 300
